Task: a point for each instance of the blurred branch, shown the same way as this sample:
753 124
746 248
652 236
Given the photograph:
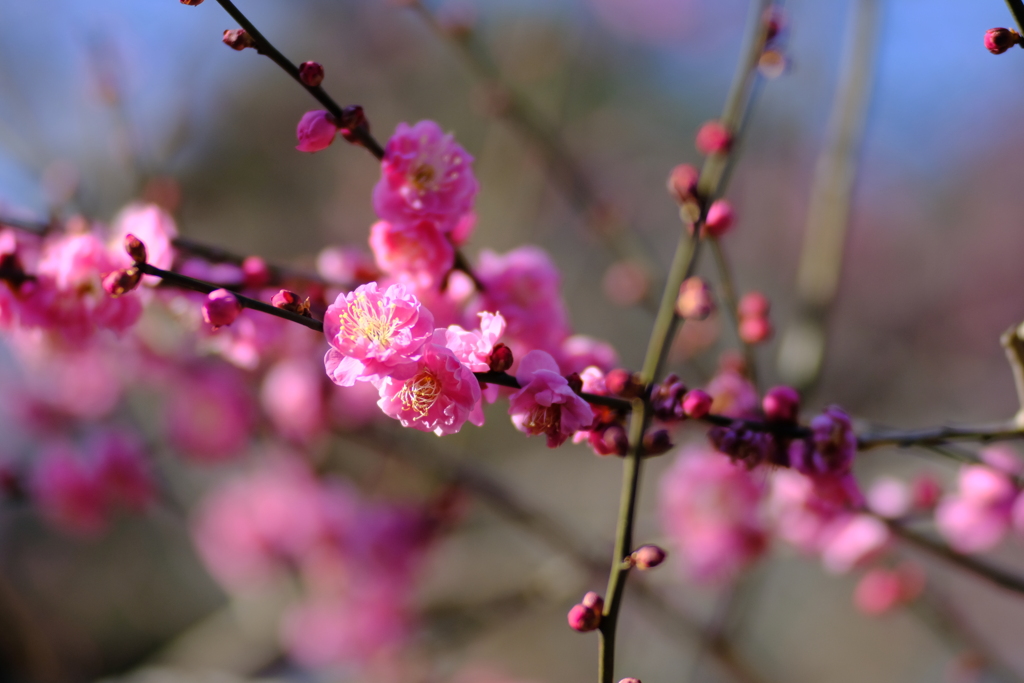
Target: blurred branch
1003 431
731 302
1017 8
802 348
1013 344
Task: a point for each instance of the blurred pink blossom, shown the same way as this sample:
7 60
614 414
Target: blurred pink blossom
416 253
977 515
67 491
209 413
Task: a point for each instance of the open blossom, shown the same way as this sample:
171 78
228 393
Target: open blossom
579 352
438 397
978 514
373 333
804 509
474 347
733 395
546 404
292 395
425 174
525 287
710 509
417 253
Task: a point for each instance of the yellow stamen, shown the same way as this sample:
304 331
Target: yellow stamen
421 392
373 321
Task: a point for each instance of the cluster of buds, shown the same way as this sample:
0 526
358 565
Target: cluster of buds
120 282
999 40
752 311
586 615
671 401
781 406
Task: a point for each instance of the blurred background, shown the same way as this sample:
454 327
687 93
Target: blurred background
104 103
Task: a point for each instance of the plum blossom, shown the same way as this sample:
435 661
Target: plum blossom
292 395
474 347
546 404
425 174
438 396
151 224
209 413
67 492
710 509
121 469
316 131
416 253
978 514
374 333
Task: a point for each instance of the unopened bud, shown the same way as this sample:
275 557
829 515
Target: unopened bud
612 440
772 64
135 248
290 301
999 40
647 557
221 308
754 305
192 3
697 403
500 359
311 73
657 442
713 138
256 272
575 382
593 601
122 281
583 618
755 330
781 404
238 39
925 492
353 123
719 219
694 301
682 183
623 383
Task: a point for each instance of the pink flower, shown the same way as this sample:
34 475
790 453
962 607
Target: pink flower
889 497
373 333
122 471
546 404
293 397
882 590
439 397
154 227
209 413
803 509
67 491
425 174
977 516
474 348
852 541
733 395
417 253
709 508
525 287
316 131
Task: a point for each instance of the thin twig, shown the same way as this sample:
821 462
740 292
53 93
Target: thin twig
731 302
1017 9
1003 431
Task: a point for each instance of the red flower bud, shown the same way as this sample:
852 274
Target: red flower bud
696 404
500 359
781 404
755 330
630 680
122 281
999 40
353 120
290 301
647 557
713 138
256 272
193 3
593 601
583 618
719 219
657 442
623 383
754 305
135 248
682 183
238 39
311 74
221 308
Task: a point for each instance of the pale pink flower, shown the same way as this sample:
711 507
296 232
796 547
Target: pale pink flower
525 287
316 131
438 397
977 516
155 227
67 491
889 497
373 333
803 509
416 253
853 540
732 395
546 404
292 395
425 174
122 471
209 413
474 347
710 509
346 265
579 352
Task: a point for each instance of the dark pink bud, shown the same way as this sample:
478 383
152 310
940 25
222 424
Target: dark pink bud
682 183
611 440
647 557
192 3
583 618
238 39
781 404
694 301
755 330
311 74
657 442
754 305
353 123
290 301
719 219
500 359
221 308
925 492
774 21
256 272
999 40
696 403
316 131
593 601
623 383
713 138
135 248
575 382
122 281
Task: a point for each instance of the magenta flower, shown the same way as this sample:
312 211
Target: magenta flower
546 404
710 509
474 348
417 253
439 397
316 131
374 333
425 174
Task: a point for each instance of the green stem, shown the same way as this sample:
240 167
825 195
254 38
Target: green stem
731 302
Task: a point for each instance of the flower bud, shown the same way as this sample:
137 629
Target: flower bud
593 601
772 64
256 272
781 404
575 382
583 618
290 301
697 403
501 358
682 183
611 440
694 301
620 382
755 330
135 248
647 557
353 120
925 492
221 308
657 442
719 219
999 40
311 74
122 281
316 131
630 680
713 138
238 39
192 3
753 305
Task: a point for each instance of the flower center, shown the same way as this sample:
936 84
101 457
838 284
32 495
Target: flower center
544 420
373 321
422 177
421 392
